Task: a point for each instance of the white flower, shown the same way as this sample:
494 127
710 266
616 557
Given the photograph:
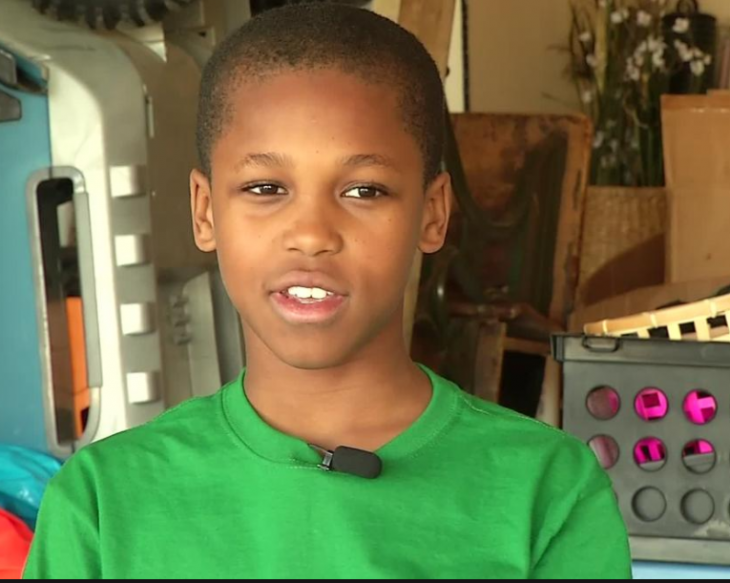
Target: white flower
637 59
587 96
617 17
609 161
643 19
657 59
633 72
697 53
708 59
598 140
614 145
585 37
681 25
592 61
642 48
654 44
685 53
698 68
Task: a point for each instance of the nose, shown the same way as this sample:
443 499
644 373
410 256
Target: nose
314 228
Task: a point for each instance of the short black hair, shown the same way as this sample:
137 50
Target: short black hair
320 36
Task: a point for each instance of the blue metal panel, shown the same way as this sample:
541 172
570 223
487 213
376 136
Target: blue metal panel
24 148
673 571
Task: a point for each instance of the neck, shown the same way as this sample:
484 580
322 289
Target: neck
364 402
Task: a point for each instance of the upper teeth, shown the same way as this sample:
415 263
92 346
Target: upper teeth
305 293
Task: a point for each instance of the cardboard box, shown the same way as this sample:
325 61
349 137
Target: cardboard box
696 134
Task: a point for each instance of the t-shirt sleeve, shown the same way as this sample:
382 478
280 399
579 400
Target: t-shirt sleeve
589 539
66 542
592 544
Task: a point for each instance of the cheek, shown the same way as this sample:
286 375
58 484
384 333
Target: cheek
241 252
386 257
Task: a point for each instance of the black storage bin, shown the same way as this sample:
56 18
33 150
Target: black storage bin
657 414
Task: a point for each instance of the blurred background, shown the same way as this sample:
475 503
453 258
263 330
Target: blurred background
584 281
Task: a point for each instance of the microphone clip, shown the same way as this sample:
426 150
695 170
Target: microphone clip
327 457
348 460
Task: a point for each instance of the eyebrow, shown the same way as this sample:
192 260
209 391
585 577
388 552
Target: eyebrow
266 159
368 160
274 159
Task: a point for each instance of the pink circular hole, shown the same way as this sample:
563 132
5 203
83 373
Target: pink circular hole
700 407
699 456
606 450
650 454
603 403
651 404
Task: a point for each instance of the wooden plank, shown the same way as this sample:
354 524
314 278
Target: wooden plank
567 253
388 8
550 406
488 365
432 22
526 346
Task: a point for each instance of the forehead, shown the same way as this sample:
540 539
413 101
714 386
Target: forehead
316 111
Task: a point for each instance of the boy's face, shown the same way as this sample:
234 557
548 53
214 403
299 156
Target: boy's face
317 190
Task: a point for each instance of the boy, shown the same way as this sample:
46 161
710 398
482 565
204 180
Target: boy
320 137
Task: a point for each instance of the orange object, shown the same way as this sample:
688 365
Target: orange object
15 539
80 379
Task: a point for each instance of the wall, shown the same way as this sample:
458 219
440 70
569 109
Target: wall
512 64
454 85
719 8
512 60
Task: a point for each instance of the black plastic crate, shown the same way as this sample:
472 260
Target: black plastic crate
657 413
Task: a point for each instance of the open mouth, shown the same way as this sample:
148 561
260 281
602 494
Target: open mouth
307 305
307 295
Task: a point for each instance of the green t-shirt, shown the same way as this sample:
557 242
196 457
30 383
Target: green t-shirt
209 490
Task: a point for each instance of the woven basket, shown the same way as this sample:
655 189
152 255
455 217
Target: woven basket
623 245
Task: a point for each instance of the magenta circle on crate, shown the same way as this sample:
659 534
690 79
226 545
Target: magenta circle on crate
650 454
700 407
699 456
651 404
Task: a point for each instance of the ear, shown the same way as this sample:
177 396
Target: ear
436 213
201 205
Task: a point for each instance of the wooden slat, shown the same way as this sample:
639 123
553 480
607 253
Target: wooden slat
388 8
488 365
432 22
526 346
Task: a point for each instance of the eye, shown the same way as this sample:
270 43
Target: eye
264 189
364 191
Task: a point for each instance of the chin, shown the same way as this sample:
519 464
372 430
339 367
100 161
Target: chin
306 358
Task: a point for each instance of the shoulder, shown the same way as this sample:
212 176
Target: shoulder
190 425
522 445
